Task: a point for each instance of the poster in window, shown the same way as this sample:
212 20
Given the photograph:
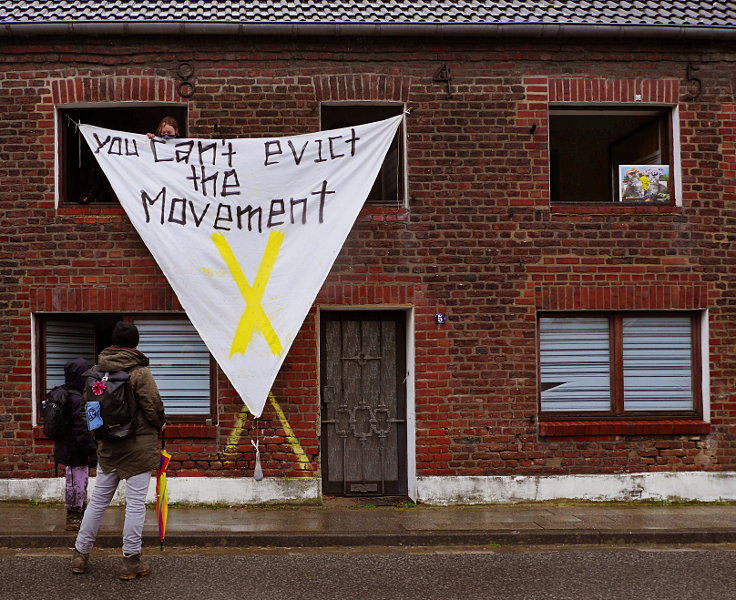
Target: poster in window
644 183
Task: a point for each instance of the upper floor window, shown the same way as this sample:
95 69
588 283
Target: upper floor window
620 364
611 154
389 187
79 178
179 359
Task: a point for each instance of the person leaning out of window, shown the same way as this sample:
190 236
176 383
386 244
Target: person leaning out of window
167 129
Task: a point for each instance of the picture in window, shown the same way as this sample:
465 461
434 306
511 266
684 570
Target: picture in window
644 183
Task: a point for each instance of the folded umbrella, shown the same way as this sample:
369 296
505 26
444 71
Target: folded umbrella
162 493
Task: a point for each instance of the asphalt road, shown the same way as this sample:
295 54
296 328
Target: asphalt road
700 573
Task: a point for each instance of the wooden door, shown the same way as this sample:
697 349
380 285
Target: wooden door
363 371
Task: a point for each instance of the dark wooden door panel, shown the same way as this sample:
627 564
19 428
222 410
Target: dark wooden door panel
363 403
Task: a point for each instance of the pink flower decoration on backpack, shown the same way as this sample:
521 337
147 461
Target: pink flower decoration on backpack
98 387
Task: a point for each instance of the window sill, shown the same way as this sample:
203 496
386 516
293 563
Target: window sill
616 208
90 209
383 212
173 431
602 428
190 430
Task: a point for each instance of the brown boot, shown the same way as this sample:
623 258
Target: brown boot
133 567
79 562
73 520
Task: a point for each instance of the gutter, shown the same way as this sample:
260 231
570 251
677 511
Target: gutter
321 29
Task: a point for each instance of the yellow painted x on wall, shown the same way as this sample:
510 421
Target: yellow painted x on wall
254 318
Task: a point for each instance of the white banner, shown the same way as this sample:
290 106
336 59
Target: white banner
245 230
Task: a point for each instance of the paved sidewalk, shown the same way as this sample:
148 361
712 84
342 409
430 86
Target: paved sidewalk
24 526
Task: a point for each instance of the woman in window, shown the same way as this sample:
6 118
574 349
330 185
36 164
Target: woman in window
167 129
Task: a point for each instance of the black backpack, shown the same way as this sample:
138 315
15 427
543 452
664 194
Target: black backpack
109 389
54 411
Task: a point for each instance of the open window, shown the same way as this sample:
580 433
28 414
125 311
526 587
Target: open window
80 179
389 187
620 365
611 154
179 360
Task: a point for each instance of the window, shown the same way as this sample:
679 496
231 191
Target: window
179 360
603 154
389 185
620 364
80 179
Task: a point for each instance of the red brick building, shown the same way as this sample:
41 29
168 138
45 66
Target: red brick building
536 301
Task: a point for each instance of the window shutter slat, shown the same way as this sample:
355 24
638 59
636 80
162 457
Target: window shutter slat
657 364
575 371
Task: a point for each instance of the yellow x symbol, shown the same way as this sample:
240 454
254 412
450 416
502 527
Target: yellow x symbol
254 317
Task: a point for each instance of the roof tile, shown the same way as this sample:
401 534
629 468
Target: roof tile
592 12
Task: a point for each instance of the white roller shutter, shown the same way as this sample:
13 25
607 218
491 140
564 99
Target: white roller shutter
66 340
180 363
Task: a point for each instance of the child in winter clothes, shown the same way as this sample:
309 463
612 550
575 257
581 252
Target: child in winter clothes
77 450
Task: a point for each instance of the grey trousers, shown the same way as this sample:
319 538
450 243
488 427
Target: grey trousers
136 488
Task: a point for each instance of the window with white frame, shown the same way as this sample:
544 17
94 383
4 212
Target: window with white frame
179 359
620 364
388 189
80 179
618 153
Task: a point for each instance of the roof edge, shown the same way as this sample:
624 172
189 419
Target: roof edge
541 30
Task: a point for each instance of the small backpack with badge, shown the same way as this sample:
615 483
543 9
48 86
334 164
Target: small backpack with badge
107 411
54 411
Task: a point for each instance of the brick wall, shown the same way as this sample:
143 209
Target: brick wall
478 241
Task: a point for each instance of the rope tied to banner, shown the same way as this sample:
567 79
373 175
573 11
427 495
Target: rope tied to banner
77 124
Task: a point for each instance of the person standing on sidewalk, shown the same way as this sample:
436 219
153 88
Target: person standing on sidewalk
132 458
77 450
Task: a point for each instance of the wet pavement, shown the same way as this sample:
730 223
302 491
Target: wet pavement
29 526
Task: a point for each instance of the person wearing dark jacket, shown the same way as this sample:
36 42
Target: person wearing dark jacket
77 450
131 459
